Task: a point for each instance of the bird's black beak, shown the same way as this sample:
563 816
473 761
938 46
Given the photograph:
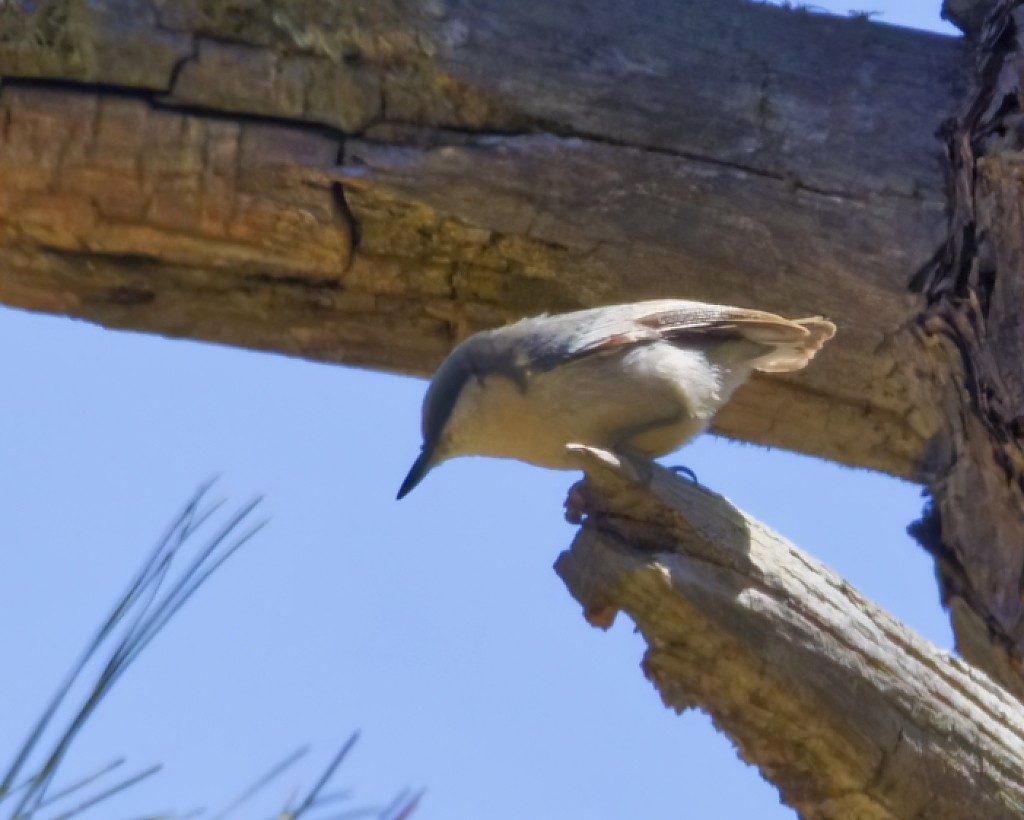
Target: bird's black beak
420 467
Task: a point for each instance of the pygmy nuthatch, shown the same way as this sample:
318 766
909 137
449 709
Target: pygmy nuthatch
637 379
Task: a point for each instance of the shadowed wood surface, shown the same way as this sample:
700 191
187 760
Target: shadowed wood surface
842 707
367 183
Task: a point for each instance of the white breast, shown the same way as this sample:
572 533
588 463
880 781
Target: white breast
650 397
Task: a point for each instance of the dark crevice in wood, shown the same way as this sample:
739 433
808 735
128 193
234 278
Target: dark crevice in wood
159 101
338 193
179 66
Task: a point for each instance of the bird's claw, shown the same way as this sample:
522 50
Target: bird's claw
682 469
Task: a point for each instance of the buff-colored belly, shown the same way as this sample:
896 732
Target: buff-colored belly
647 401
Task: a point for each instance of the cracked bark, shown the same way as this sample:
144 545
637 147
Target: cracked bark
360 183
972 329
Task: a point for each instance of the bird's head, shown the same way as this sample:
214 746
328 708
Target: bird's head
447 415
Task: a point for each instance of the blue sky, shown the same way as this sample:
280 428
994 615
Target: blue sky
435 625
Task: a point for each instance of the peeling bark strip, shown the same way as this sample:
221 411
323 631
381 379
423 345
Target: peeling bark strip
975 334
842 707
499 161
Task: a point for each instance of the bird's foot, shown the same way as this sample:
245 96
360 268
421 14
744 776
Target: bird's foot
581 500
682 469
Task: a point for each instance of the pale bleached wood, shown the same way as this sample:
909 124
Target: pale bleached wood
842 707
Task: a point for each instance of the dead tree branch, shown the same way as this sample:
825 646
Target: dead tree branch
842 707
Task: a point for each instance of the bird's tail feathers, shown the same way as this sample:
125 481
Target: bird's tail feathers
792 345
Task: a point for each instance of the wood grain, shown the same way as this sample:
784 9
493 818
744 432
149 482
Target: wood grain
493 160
842 707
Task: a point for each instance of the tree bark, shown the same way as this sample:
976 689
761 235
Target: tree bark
974 333
842 707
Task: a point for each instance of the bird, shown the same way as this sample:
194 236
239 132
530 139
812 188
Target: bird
638 380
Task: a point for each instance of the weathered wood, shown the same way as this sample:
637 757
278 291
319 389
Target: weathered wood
495 160
975 336
842 707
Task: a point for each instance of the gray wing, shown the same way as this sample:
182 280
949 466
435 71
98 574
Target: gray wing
542 343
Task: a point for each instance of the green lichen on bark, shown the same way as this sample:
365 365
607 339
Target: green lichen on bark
47 37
